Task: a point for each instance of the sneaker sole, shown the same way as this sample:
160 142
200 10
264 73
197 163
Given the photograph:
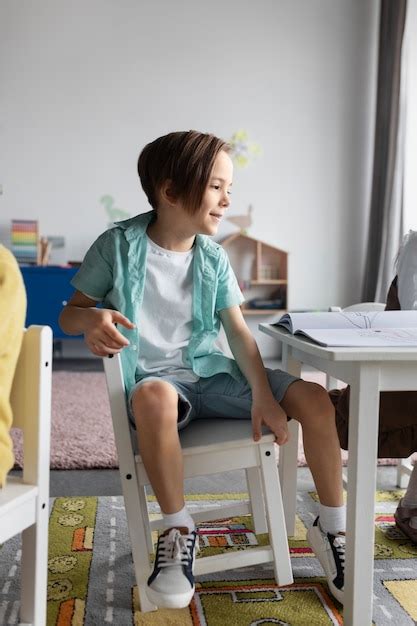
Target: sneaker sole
322 557
166 601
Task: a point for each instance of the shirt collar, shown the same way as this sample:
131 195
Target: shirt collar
137 226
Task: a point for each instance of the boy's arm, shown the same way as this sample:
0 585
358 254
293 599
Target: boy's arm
265 409
80 316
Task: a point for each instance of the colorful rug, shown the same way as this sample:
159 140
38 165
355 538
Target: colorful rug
91 579
82 432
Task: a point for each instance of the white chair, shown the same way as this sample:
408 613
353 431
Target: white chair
24 503
404 466
209 447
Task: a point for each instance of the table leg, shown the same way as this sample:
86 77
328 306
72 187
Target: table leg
360 531
288 454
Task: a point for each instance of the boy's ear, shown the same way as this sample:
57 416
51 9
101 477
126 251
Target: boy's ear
167 192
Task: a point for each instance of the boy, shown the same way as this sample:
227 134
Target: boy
168 287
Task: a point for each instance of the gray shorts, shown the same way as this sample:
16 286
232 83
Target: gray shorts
217 396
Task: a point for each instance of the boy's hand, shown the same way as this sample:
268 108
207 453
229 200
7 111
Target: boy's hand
270 413
101 334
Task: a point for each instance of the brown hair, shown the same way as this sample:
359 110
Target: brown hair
186 159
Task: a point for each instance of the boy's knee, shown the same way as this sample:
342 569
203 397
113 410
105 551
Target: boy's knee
157 401
319 401
310 403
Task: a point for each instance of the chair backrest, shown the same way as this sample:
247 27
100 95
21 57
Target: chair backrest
30 400
122 433
361 306
365 306
407 271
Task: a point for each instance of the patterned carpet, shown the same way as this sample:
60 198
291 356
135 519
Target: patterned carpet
91 577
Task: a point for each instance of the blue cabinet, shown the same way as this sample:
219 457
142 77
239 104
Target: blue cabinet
48 289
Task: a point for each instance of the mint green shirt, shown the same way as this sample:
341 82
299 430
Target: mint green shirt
114 272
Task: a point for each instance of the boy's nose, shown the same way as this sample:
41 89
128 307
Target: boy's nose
226 200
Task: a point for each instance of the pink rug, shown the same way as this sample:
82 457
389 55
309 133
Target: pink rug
82 433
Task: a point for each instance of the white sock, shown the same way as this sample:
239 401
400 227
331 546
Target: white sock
410 497
180 518
332 519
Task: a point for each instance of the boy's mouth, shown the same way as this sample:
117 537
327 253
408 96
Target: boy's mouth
217 216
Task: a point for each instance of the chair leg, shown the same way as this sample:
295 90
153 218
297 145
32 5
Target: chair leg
145 605
404 469
145 516
34 572
288 456
275 515
331 383
256 498
138 538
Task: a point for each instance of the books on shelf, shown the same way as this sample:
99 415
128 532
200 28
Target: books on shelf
24 240
354 328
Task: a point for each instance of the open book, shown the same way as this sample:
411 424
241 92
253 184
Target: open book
355 328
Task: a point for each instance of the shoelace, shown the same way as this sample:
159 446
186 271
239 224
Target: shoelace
174 549
339 543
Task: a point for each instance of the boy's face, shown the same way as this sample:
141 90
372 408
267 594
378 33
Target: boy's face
216 198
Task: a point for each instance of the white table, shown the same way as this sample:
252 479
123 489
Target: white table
368 371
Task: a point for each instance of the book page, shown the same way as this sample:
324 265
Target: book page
348 319
367 337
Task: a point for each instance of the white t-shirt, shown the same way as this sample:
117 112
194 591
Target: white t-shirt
165 318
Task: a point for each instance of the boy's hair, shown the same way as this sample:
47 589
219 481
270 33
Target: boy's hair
186 159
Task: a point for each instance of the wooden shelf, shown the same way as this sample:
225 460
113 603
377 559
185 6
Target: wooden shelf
262 271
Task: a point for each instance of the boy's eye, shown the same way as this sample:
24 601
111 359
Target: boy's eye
218 188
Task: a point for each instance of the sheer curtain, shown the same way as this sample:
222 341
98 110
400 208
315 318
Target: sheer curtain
386 212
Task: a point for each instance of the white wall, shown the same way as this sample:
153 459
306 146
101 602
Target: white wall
86 84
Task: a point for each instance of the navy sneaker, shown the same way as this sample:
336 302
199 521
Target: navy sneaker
171 584
330 551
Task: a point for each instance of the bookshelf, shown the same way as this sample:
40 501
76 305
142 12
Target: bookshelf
48 289
262 272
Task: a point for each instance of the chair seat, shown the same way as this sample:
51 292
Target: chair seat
219 432
212 446
204 435
17 507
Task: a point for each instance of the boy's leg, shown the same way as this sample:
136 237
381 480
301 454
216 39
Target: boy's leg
155 409
309 404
